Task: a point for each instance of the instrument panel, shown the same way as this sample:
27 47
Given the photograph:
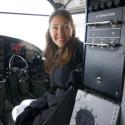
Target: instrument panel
21 70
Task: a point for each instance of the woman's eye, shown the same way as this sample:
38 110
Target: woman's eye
66 26
59 27
54 27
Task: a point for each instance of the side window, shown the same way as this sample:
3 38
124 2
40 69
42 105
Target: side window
25 19
79 20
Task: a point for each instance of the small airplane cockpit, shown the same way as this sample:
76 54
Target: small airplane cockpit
21 73
100 25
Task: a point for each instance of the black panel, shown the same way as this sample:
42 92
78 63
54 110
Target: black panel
98 5
104 26
112 14
104 71
104 58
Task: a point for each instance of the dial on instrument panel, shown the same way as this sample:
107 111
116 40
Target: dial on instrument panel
84 117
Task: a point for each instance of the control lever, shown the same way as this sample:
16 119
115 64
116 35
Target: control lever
112 22
110 44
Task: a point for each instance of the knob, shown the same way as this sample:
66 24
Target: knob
85 117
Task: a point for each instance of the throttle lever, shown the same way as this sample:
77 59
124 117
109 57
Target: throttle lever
110 44
112 22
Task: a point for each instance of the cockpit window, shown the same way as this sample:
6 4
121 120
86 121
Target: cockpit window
25 19
26 6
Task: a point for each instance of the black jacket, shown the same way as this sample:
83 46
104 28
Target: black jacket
38 111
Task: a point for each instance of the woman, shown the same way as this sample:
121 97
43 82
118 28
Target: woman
63 54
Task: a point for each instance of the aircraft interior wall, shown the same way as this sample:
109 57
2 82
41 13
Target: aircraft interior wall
101 101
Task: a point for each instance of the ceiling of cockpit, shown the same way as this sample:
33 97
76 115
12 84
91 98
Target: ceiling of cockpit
39 6
73 6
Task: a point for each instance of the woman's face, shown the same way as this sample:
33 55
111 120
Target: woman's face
60 30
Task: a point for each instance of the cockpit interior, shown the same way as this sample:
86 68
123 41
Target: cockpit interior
100 25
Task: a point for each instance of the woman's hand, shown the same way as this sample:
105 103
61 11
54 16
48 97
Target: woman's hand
26 117
75 78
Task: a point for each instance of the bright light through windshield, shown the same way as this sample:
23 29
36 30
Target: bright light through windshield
26 6
31 28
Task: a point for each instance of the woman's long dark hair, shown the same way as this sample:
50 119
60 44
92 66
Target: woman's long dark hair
55 56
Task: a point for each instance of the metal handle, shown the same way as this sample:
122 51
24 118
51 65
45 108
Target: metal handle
112 22
4 80
111 44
